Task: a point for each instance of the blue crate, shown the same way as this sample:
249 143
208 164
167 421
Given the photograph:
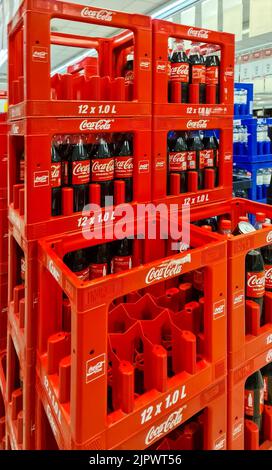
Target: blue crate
244 110
255 193
254 151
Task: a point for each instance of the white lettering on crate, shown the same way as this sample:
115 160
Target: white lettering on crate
219 309
166 269
103 15
95 368
269 237
52 399
201 124
101 125
52 268
198 33
172 421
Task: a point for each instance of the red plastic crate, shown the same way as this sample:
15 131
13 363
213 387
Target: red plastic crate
20 399
64 358
243 435
162 31
3 241
3 310
3 159
245 338
161 127
33 98
2 412
36 221
212 401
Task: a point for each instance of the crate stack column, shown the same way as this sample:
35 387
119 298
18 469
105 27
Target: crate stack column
88 104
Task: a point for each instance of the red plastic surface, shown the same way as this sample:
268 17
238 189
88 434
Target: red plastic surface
245 339
161 127
241 433
84 423
162 31
36 222
33 98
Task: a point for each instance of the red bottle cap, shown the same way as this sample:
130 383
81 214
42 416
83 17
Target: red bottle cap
207 227
243 219
260 217
225 224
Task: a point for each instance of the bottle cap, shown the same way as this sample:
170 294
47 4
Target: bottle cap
243 219
260 217
225 224
207 227
245 227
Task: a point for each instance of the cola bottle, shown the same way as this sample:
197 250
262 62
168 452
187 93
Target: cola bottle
254 398
23 269
198 71
180 69
22 168
213 70
122 259
255 279
225 227
243 227
123 166
195 160
66 150
129 75
177 161
55 179
267 258
78 262
210 154
79 172
102 169
267 378
99 266
260 220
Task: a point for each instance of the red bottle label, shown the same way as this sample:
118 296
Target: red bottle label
198 74
123 167
255 285
191 160
177 161
23 268
102 170
129 77
98 270
84 275
22 170
64 172
249 402
180 72
212 75
169 69
208 157
81 172
121 263
55 175
268 277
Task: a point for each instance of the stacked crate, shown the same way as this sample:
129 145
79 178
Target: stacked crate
249 341
3 272
86 107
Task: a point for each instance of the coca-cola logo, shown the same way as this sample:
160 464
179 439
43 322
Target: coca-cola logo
256 281
173 420
166 269
81 169
101 125
268 275
99 167
219 309
160 164
201 124
145 64
182 69
124 164
55 171
39 54
269 237
54 270
269 356
103 15
41 178
95 368
198 33
161 67
143 166
178 157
